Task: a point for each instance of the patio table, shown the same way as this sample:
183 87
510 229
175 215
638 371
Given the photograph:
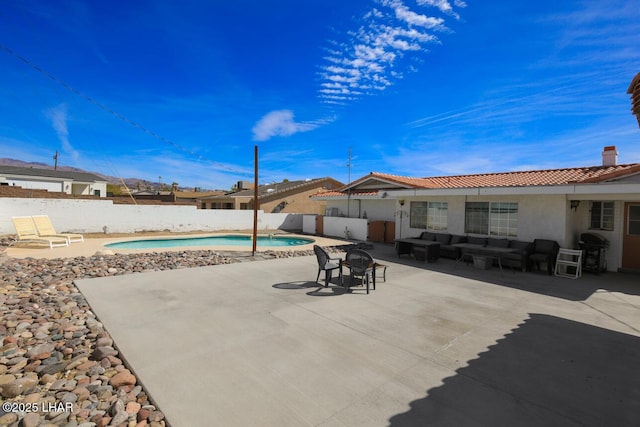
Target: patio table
430 247
376 265
473 250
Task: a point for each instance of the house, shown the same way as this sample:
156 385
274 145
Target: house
557 204
68 182
192 197
284 197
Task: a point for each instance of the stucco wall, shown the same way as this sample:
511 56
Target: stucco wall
540 217
37 185
335 227
91 216
375 209
309 224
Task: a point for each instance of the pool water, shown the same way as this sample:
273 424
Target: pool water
225 240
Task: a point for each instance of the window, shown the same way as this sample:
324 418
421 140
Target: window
496 219
429 215
437 215
418 215
634 220
476 217
602 215
503 219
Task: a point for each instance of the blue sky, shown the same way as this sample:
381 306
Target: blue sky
185 90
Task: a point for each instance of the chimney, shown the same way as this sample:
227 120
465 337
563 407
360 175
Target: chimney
610 156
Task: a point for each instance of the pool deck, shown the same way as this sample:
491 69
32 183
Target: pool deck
440 344
92 245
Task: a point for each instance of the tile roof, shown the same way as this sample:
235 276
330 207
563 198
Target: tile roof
280 187
546 177
344 193
405 181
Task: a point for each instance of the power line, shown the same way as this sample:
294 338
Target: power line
112 112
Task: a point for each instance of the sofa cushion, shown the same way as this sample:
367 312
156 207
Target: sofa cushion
498 243
443 238
458 239
482 241
427 236
544 246
520 246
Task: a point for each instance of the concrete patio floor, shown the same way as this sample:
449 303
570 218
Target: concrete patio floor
259 343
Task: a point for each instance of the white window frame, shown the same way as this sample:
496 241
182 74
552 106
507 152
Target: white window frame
491 218
429 215
606 211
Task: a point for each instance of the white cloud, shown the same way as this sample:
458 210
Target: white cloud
369 61
443 5
58 117
281 123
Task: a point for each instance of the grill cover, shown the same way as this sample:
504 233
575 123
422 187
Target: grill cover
593 239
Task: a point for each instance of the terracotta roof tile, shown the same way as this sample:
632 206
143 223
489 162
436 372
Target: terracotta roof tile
344 193
520 178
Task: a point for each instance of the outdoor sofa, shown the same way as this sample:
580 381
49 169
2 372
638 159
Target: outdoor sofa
519 258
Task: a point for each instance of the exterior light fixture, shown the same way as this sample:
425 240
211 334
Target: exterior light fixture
574 205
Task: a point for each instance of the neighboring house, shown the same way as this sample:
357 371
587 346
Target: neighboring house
281 197
68 182
194 196
558 204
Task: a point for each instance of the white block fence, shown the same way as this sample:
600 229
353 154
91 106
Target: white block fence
98 216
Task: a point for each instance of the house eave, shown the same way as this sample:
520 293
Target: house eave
568 189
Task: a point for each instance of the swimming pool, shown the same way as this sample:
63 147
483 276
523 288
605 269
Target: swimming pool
223 240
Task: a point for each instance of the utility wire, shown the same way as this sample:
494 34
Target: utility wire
112 112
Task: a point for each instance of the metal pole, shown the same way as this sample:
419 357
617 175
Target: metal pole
349 190
255 201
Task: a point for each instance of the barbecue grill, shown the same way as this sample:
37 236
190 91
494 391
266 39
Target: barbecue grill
593 246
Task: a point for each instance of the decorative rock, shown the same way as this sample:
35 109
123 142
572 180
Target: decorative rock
123 378
17 387
103 352
52 369
41 351
8 419
133 407
31 419
7 378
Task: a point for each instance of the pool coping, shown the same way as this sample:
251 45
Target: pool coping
95 245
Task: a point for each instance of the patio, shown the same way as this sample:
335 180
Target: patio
260 343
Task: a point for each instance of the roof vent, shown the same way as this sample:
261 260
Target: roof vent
610 156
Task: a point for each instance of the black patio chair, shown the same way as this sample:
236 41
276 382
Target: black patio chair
361 265
544 252
327 264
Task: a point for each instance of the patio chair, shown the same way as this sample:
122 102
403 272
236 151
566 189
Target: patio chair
27 233
327 264
361 265
45 229
569 263
544 252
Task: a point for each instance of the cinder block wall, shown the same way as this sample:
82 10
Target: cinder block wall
92 216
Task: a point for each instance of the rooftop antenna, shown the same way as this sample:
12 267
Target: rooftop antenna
55 157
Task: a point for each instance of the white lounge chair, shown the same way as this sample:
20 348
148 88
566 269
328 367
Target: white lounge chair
45 229
27 233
